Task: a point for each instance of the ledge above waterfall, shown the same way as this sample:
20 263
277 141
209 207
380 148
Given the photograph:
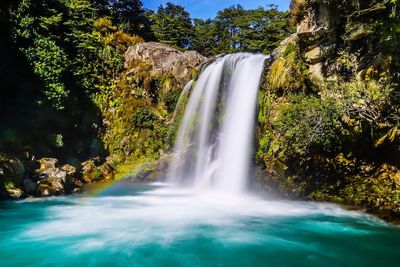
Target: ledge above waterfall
163 60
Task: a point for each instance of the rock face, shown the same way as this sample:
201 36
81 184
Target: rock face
27 177
12 172
327 28
344 55
96 172
164 60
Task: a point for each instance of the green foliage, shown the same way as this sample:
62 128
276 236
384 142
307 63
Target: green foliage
309 124
172 25
171 100
49 62
144 118
73 58
288 73
236 30
128 15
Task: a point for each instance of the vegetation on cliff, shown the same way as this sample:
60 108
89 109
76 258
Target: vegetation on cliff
330 108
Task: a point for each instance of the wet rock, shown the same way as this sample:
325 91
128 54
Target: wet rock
15 193
13 170
45 190
53 183
88 170
54 180
70 178
47 163
11 174
151 171
93 172
30 187
107 171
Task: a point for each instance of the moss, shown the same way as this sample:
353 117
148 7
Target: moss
288 73
9 185
144 118
96 175
133 166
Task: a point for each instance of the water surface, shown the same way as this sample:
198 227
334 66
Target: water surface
156 225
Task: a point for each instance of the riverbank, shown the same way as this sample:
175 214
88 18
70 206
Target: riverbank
27 177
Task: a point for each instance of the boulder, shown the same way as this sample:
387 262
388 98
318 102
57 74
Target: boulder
30 187
12 171
88 170
70 178
164 60
48 163
15 193
93 172
54 180
317 70
107 171
45 190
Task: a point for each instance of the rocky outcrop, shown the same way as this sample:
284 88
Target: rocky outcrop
97 172
150 171
163 60
27 177
335 78
330 29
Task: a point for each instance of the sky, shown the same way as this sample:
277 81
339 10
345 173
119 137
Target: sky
208 8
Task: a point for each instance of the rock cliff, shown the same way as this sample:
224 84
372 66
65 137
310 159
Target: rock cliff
329 111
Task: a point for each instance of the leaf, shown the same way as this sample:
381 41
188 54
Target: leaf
389 136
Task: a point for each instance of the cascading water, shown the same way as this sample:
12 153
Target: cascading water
214 140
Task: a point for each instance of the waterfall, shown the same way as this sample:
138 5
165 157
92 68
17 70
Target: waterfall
214 142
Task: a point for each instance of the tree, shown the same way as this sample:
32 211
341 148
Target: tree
34 25
131 17
172 25
238 30
205 37
232 20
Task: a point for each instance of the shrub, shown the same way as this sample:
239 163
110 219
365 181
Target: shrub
310 124
144 118
171 99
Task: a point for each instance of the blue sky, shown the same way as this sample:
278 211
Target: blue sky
209 8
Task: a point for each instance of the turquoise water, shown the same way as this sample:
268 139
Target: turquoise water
154 225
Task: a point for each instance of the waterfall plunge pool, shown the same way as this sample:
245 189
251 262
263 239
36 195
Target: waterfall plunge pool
159 225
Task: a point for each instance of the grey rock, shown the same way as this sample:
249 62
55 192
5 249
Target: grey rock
30 186
164 60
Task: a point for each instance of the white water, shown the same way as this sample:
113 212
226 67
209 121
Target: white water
215 137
